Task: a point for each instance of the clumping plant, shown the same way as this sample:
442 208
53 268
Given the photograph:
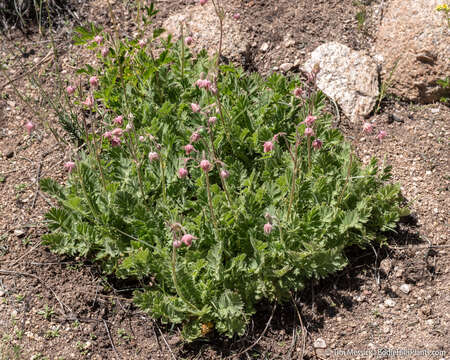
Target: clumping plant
213 194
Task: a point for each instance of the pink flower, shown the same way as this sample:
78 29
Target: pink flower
189 148
70 90
105 51
118 120
203 2
108 135
205 165
298 92
195 107
176 244
89 102
70 165
29 126
141 138
213 89
195 137
309 131
182 173
317 144
268 146
142 42
93 81
189 40
368 127
115 141
212 120
381 135
98 39
117 132
267 228
187 239
309 121
236 16
152 156
224 174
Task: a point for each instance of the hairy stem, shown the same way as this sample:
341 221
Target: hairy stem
349 170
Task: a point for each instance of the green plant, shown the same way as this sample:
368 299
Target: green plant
385 86
224 187
445 9
47 312
445 85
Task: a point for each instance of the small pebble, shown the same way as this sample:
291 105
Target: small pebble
405 288
389 303
264 47
320 344
286 67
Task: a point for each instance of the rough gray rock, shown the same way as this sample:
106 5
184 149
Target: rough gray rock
347 76
416 36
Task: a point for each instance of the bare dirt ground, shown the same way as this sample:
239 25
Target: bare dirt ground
395 298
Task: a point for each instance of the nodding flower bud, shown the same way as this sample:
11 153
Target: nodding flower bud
224 174
212 120
203 2
105 52
368 127
317 144
268 146
189 40
108 135
115 141
213 89
142 42
195 107
141 138
236 16
89 102
298 92
205 165
187 239
268 228
152 156
182 173
189 148
98 39
117 132
195 137
118 120
309 131
381 135
29 126
276 136
93 81
176 244
70 90
309 121
70 165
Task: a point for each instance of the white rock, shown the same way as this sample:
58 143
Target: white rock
320 344
389 303
435 111
405 288
264 47
286 67
347 76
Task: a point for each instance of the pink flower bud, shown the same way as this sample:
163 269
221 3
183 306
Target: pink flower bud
70 90
115 141
368 127
182 173
189 148
152 156
298 92
105 52
236 16
89 102
108 135
267 228
199 83
317 144
207 84
195 107
213 89
224 174
381 135
276 136
142 42
309 131
118 120
29 126
141 138
93 81
187 239
117 132
205 165
309 121
268 146
189 40
212 120
70 165
176 244
195 137
98 39
203 2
